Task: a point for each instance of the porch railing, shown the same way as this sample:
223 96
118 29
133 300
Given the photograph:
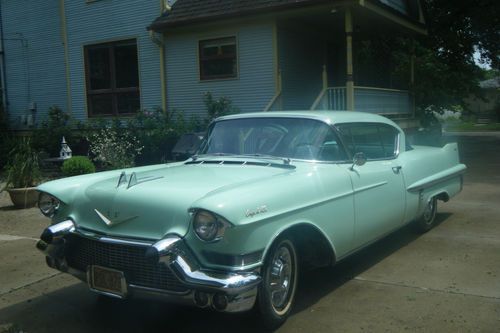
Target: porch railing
274 104
366 99
331 98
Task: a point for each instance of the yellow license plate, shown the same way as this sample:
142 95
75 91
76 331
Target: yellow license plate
108 280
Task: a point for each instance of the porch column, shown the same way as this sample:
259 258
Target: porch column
349 83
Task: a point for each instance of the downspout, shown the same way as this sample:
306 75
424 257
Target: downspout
160 42
64 36
3 81
161 45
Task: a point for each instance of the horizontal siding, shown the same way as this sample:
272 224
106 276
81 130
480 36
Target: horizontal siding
34 57
301 58
107 20
250 92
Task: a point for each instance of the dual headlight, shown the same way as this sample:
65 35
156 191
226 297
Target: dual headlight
209 226
48 204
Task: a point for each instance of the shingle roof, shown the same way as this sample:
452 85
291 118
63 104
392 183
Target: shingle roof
191 11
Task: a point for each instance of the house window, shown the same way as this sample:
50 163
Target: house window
112 78
218 58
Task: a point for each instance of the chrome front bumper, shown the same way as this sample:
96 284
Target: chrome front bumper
224 291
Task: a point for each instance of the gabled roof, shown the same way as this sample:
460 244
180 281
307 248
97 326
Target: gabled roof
192 11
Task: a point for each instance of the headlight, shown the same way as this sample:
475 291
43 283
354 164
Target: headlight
48 204
208 226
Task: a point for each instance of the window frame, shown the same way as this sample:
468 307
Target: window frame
114 91
201 59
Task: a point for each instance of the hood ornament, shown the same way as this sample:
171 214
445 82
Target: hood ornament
133 180
111 223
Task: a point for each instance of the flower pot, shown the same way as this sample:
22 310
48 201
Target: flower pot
23 197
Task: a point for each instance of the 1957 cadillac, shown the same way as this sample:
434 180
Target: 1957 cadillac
229 228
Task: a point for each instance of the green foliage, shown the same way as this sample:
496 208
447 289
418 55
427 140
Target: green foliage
77 165
47 137
158 131
445 69
114 147
7 142
218 107
22 167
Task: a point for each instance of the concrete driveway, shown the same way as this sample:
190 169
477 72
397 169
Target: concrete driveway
447 280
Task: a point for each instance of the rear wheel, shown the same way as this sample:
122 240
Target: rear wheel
279 283
427 221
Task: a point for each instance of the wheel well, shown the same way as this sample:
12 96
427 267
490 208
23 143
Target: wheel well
443 196
313 249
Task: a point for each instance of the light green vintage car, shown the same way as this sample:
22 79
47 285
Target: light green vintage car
229 228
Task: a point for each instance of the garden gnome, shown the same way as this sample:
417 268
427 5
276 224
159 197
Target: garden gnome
65 152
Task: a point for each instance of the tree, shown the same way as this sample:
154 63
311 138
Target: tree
446 72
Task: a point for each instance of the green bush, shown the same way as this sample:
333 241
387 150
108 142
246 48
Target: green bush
23 169
77 165
218 107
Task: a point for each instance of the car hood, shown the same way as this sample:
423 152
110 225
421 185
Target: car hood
155 202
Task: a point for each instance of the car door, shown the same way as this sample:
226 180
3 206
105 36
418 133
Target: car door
379 196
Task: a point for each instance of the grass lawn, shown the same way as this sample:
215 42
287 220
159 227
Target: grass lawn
460 126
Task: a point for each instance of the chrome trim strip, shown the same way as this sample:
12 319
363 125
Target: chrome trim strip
437 178
369 187
122 241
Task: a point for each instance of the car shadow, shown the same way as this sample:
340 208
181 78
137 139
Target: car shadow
75 309
316 284
10 208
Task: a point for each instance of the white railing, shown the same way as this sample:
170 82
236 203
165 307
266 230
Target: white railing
331 98
366 99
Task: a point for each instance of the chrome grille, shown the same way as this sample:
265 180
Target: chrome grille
82 252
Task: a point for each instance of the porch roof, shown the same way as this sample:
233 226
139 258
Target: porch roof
186 12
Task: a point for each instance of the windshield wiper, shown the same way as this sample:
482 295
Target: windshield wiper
260 156
284 159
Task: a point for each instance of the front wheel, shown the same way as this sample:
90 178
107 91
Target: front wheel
428 218
279 283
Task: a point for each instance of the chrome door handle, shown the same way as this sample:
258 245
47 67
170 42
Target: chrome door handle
396 169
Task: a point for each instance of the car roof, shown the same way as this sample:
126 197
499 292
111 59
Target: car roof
330 117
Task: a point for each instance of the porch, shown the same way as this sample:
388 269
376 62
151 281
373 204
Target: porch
329 58
383 101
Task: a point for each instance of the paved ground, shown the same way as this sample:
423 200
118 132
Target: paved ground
447 280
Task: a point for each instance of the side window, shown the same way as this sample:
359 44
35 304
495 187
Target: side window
389 137
376 141
330 148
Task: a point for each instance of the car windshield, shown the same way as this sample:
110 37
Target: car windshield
294 138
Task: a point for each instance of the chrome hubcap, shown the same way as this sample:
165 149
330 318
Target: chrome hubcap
429 211
281 277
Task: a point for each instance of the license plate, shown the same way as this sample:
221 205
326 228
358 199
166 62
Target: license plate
108 280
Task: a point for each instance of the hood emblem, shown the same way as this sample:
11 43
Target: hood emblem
111 223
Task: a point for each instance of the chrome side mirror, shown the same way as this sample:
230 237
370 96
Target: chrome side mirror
359 159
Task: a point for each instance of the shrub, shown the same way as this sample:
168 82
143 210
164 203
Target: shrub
218 107
114 147
48 135
77 165
158 131
23 169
